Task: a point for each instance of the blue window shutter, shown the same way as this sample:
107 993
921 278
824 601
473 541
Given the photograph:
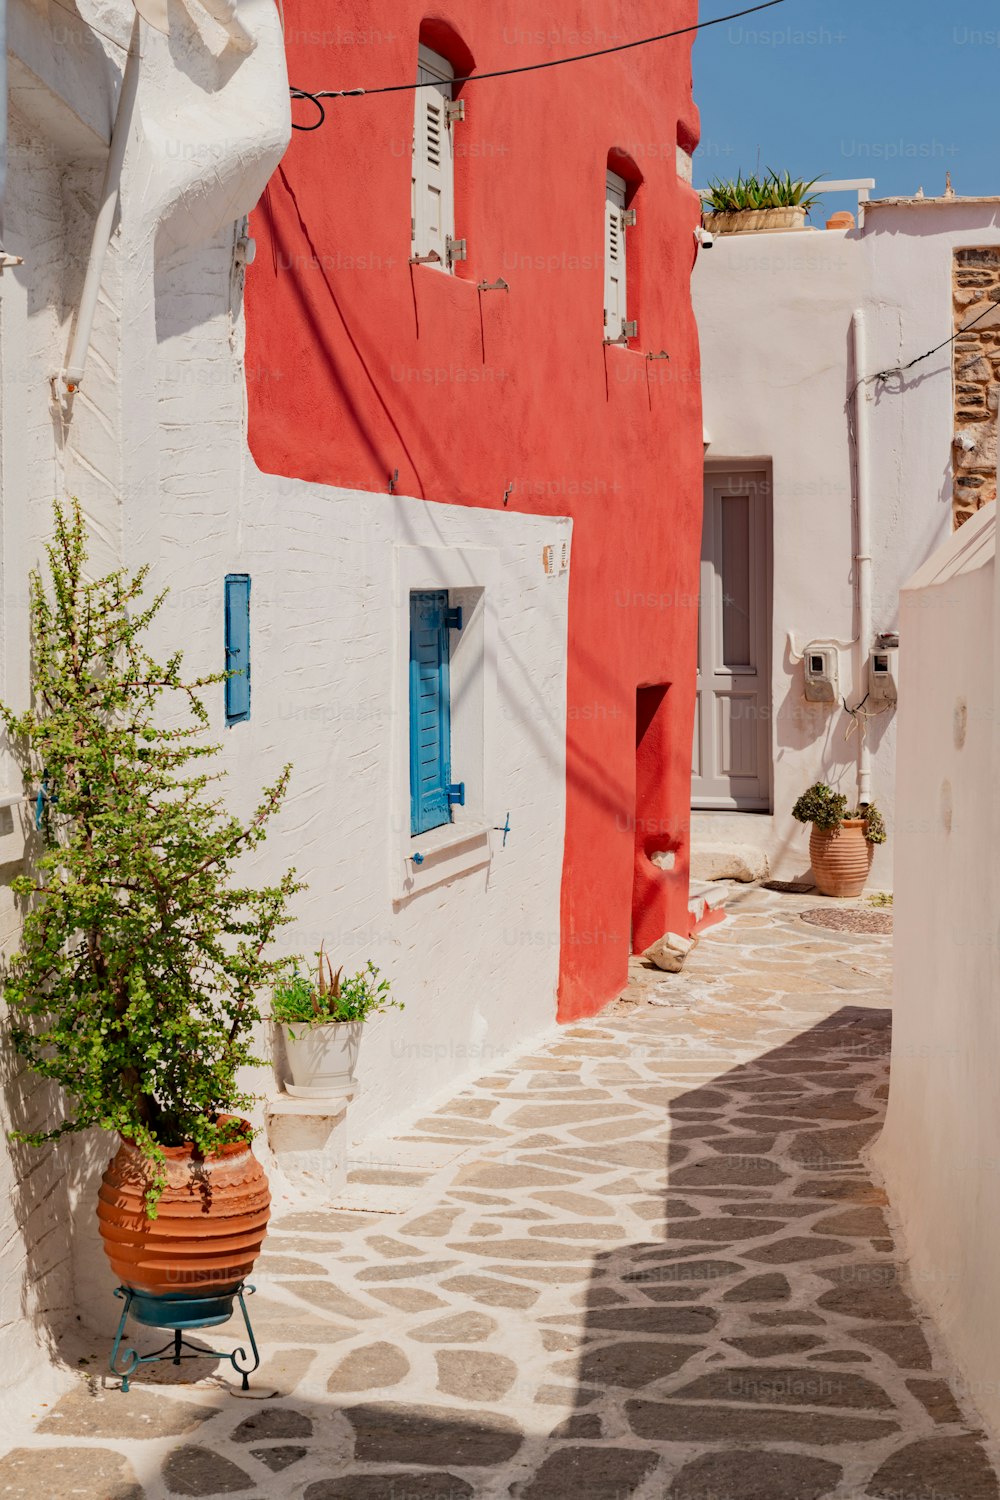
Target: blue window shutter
237 647
430 711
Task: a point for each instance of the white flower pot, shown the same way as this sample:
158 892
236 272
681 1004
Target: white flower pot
322 1059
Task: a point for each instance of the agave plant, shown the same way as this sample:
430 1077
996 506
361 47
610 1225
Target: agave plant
327 993
772 190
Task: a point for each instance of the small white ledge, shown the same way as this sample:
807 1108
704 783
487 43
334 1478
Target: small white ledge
447 851
285 1104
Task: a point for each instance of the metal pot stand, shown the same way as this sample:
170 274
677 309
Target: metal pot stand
182 1312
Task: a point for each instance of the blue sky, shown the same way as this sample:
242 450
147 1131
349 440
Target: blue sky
899 90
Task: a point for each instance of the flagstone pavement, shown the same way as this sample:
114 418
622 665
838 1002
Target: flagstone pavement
658 1265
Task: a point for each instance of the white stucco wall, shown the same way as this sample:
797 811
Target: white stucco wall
154 446
774 314
939 1148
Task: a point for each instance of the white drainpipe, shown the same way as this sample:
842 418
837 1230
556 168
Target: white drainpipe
76 360
862 558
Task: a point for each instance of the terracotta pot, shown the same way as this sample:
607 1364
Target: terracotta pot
210 1224
754 220
841 858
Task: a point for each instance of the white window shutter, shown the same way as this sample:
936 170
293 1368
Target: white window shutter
433 201
614 257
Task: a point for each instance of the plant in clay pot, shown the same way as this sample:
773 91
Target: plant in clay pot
744 205
842 842
141 955
323 1017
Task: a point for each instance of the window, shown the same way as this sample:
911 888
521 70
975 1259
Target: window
432 792
444 799
615 306
432 223
237 647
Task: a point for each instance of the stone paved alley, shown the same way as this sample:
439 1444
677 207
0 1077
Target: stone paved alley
655 1265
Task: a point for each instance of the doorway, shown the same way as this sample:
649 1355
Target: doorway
656 836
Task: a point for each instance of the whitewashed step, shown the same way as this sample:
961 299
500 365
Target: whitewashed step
706 896
728 861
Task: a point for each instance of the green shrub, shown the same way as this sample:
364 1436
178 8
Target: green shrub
828 809
821 805
316 1000
141 959
874 823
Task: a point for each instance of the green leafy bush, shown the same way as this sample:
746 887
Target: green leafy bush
828 809
821 805
141 957
317 1000
874 823
772 190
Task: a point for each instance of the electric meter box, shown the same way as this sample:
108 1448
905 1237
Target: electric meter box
821 661
883 674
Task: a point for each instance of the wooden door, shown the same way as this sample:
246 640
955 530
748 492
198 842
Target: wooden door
732 739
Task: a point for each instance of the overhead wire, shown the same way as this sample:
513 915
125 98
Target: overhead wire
316 96
994 297
887 374
859 715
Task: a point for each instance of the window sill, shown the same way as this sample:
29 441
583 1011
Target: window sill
451 850
442 274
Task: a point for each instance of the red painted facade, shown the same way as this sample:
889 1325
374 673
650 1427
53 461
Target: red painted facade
385 366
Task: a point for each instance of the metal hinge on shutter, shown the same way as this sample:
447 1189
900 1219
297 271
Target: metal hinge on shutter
456 794
456 250
453 618
454 110
628 218
630 328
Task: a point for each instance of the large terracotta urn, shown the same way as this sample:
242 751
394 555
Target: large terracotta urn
209 1227
841 858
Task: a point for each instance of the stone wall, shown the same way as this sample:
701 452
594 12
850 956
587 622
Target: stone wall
976 291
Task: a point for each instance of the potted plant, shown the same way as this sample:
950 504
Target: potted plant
140 959
841 843
745 205
322 1017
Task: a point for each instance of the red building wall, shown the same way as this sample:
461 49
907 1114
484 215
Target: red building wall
360 364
